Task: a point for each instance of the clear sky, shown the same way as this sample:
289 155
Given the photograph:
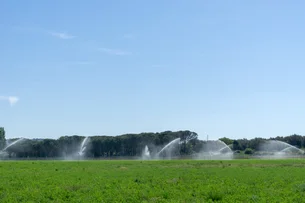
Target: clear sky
226 68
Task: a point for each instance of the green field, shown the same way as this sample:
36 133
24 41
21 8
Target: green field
153 181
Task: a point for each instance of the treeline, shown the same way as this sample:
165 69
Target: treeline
254 144
104 146
128 145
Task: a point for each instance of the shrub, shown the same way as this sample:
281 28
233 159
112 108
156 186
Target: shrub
249 151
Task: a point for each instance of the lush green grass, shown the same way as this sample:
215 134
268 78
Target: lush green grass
153 181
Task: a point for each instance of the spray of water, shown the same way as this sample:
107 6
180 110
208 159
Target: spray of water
169 147
146 153
83 146
215 149
4 153
278 149
13 143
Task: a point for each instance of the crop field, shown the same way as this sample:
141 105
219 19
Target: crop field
153 181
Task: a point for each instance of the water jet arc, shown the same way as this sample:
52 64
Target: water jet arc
169 146
83 146
279 148
13 143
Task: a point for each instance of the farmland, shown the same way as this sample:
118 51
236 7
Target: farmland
153 181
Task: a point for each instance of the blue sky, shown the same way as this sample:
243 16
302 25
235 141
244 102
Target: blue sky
224 68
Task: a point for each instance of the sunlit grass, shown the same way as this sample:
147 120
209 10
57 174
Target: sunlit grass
152 181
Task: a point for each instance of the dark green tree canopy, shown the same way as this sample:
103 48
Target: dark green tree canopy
2 137
130 145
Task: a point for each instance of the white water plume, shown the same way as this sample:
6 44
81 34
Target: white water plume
278 149
83 146
215 149
169 148
13 143
146 153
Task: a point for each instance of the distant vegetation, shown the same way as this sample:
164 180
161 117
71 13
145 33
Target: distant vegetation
2 137
253 144
129 145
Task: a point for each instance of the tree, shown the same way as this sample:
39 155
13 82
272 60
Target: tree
226 140
2 138
236 145
255 143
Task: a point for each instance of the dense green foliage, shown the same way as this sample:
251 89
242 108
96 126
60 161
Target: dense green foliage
153 181
104 146
2 137
243 144
129 145
248 151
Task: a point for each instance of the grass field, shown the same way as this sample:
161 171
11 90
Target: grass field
153 181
